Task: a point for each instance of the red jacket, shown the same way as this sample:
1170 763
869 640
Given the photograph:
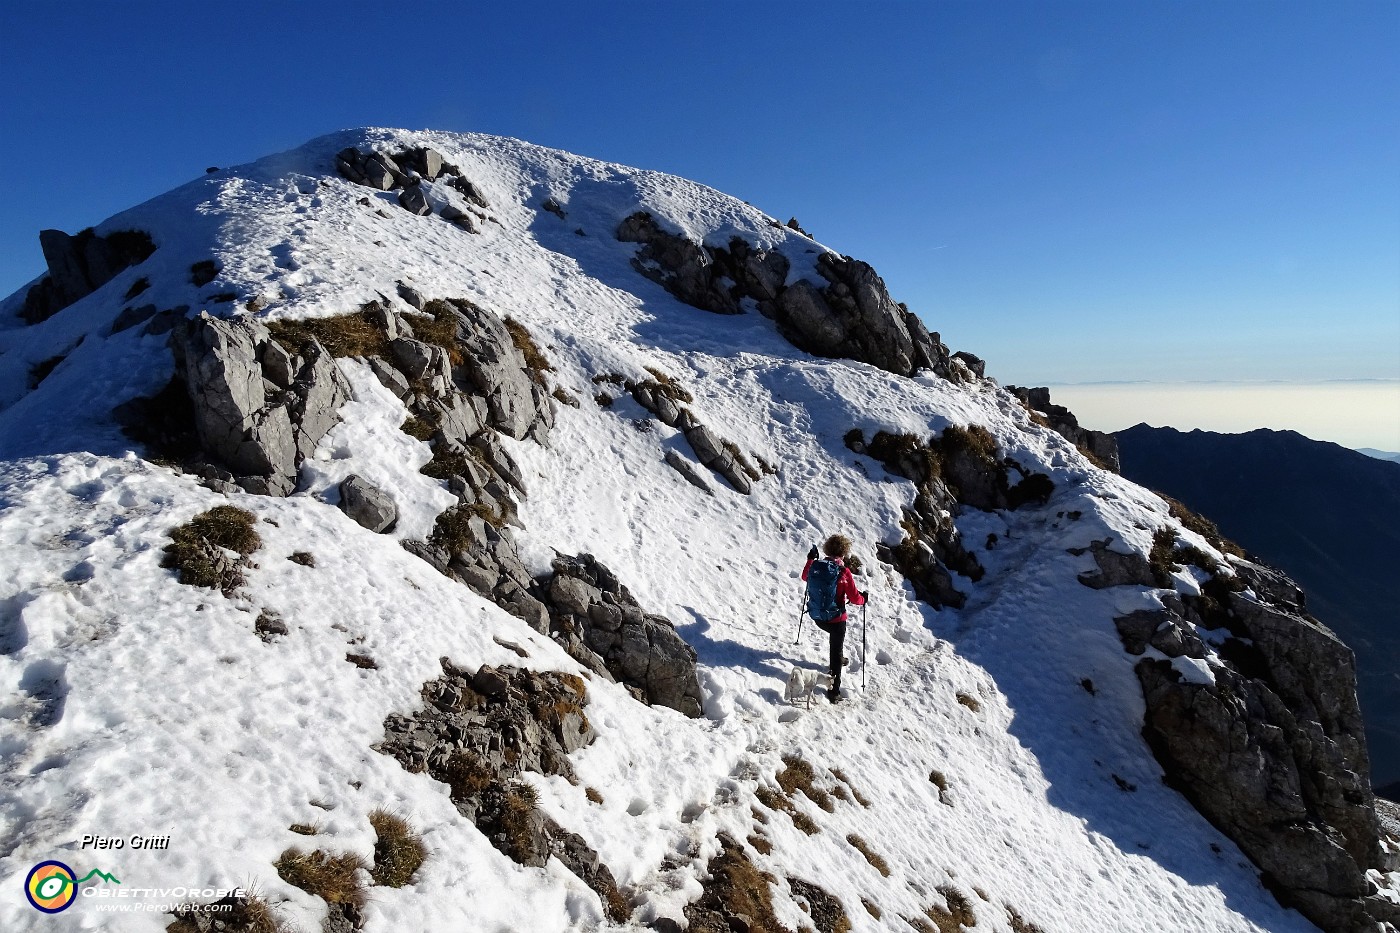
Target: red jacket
846 591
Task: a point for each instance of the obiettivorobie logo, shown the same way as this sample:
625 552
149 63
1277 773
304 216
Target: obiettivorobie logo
52 886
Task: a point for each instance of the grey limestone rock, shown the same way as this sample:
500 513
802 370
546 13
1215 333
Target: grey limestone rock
411 295
315 398
232 415
972 362
1115 568
477 733
495 369
1272 750
245 418
850 316
715 454
405 172
416 359
413 200
498 461
687 469
367 504
599 622
79 265
684 268
389 377
277 365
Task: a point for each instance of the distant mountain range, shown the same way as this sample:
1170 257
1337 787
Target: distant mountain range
1327 515
1379 454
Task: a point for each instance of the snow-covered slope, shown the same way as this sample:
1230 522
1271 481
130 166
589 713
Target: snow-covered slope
136 705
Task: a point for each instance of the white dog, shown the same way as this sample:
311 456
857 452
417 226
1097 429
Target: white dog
802 683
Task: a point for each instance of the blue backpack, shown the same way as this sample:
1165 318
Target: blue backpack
822 578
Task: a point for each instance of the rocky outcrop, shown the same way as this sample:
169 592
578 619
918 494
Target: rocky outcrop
685 268
854 317
258 410
851 316
974 364
474 546
959 467
367 505
492 368
79 265
414 173
1261 730
478 733
598 621
1098 446
663 397
1115 568
688 471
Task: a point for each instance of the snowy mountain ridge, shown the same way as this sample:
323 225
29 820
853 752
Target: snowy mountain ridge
989 764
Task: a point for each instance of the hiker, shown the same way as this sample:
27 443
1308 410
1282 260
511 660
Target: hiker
830 587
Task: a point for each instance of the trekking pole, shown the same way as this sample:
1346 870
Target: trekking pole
801 617
862 643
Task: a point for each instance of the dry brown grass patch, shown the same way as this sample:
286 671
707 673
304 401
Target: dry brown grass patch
797 775
517 809
398 850
353 334
305 558
666 385
417 427
1020 924
874 858
250 913
438 325
905 454
956 914
536 363
593 795
333 878
449 461
759 844
452 530
971 702
781 804
871 908
1160 558
467 775
973 439
841 776
224 526
736 887
827 913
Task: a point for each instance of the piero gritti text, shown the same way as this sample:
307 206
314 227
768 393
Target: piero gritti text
138 842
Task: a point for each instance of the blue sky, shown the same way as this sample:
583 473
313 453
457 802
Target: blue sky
1076 191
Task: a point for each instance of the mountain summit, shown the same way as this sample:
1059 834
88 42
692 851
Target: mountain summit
407 529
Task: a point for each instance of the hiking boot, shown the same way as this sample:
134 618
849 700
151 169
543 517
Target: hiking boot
833 694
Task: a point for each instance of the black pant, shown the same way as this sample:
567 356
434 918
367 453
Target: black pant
837 631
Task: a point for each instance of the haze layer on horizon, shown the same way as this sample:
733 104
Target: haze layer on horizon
1353 414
